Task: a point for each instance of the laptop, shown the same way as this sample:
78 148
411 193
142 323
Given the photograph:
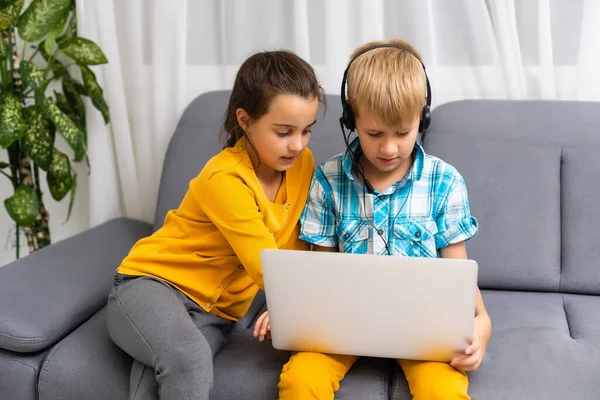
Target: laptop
369 305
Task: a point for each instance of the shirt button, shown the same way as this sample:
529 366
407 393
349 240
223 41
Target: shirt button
240 266
287 206
417 234
381 197
346 235
207 305
380 231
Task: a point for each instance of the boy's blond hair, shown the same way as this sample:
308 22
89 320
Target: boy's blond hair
388 82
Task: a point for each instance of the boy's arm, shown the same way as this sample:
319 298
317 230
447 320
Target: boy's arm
473 356
317 222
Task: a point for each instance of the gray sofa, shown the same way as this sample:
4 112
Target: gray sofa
533 173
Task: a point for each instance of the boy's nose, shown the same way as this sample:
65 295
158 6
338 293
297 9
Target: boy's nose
388 148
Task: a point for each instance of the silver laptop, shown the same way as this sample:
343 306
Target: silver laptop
367 305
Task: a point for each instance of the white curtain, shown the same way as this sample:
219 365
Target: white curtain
164 53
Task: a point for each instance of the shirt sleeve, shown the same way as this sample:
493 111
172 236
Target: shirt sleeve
232 207
454 222
317 222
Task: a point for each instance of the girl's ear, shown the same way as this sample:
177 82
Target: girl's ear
243 118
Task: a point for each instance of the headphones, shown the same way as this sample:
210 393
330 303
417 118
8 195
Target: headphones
347 119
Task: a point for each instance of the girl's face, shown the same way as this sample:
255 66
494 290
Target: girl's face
283 132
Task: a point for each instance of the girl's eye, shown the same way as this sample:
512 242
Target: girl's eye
306 131
283 134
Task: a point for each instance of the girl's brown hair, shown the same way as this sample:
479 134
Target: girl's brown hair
262 77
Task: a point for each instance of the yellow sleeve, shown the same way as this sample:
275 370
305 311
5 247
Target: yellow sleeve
230 204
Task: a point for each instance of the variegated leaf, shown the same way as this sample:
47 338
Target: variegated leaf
9 15
11 120
63 125
39 137
71 30
83 51
23 206
6 3
95 92
59 176
73 98
3 47
62 103
41 17
50 40
80 88
32 76
73 192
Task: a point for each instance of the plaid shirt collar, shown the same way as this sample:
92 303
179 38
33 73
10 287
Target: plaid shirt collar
414 174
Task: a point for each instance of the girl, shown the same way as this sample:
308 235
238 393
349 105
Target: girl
179 291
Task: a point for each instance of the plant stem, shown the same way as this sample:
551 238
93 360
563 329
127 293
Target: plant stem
11 46
3 69
13 157
37 50
17 244
8 176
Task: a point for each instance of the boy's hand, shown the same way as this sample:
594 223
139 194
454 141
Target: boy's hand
262 328
473 356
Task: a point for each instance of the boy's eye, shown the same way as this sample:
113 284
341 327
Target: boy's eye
374 134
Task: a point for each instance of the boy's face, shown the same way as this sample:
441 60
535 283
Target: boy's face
386 149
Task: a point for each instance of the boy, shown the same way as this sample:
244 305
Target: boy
385 196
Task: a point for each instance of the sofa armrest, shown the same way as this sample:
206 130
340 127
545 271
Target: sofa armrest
47 294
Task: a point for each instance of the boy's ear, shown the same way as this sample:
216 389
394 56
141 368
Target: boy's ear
243 118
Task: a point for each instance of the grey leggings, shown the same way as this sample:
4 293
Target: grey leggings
171 338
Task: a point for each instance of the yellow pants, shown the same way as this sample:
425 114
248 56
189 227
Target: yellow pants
317 376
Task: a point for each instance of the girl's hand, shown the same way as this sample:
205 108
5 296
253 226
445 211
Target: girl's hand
473 356
262 328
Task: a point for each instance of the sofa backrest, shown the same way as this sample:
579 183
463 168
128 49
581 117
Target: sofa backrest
532 169
197 139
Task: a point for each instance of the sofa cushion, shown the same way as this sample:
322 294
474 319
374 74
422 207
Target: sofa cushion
519 165
49 293
86 365
248 366
544 346
19 374
580 181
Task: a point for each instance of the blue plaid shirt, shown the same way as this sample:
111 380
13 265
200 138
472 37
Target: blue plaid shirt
425 211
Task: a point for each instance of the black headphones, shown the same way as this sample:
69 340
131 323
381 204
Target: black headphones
347 118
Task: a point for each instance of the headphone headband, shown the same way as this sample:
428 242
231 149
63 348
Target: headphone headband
347 118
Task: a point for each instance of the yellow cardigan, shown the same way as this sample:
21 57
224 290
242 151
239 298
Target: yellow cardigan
209 248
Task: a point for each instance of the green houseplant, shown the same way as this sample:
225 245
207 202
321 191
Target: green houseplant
40 97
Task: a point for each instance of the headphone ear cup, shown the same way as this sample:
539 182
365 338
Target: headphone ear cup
425 119
348 118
